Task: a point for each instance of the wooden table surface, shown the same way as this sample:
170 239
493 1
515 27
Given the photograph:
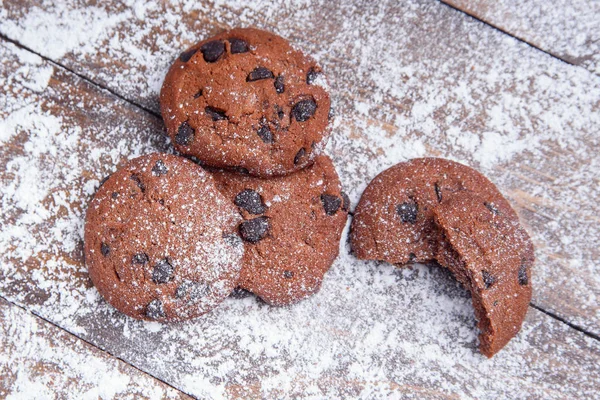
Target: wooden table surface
512 89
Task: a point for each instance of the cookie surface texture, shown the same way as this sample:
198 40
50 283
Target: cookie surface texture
492 257
245 99
291 229
161 241
393 220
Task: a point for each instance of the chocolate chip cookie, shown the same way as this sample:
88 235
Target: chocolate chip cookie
245 99
291 229
393 220
161 241
491 255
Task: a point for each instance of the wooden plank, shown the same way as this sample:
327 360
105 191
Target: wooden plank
410 79
39 360
373 331
567 29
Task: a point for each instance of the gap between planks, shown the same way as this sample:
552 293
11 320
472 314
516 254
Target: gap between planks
106 352
157 115
499 29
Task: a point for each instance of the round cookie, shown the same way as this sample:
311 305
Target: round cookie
492 257
291 229
161 241
245 99
393 219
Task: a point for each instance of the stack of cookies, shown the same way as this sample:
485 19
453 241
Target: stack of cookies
431 209
254 206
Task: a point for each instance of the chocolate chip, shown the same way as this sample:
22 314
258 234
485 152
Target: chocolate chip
488 279
280 114
140 258
215 113
259 73
212 50
114 195
412 257
185 134
299 155
198 93
279 86
438 192
408 212
312 75
187 55
492 208
250 201
238 46
345 202
160 168
265 134
288 274
239 293
232 240
330 203
182 289
163 272
198 290
255 229
304 109
138 182
523 279
104 249
155 309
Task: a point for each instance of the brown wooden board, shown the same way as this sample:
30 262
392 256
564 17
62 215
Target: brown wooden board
410 79
373 331
39 360
567 29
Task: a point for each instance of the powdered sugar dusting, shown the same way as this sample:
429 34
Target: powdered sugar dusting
411 79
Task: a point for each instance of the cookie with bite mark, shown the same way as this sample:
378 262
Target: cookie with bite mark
291 229
246 100
161 241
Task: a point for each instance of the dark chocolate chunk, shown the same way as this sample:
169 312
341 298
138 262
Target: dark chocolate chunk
239 293
330 203
138 182
279 86
523 279
186 55
215 113
104 249
250 201
265 134
312 75
299 155
198 93
492 208
160 168
114 195
212 50
255 229
233 240
155 309
140 258
198 290
182 289
408 212
488 279
304 109
259 73
438 192
238 46
163 271
288 274
185 134
345 202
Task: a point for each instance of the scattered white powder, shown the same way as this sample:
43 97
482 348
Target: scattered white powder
409 80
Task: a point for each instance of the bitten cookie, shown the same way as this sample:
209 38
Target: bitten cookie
492 257
161 241
245 99
393 220
291 229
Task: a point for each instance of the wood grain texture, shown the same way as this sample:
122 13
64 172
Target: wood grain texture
39 360
410 79
372 332
567 29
